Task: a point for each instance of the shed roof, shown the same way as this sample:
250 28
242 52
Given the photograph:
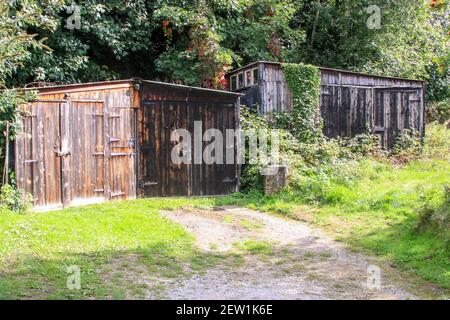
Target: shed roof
126 83
324 69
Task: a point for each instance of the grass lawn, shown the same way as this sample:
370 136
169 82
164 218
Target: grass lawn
374 206
37 248
377 212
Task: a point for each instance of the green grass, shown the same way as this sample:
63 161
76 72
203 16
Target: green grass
37 248
377 211
374 206
255 247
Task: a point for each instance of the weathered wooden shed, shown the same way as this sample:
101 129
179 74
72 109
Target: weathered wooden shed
350 103
91 142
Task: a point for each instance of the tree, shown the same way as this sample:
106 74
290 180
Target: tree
196 41
14 45
340 34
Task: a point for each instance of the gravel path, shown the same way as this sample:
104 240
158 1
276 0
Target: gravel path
302 263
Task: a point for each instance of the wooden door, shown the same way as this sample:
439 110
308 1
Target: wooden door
345 110
217 178
159 175
120 163
85 122
38 157
396 109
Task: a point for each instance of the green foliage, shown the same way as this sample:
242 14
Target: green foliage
14 200
408 144
196 42
411 34
259 30
197 56
14 49
362 145
304 83
251 173
435 213
437 142
14 41
438 90
399 212
439 111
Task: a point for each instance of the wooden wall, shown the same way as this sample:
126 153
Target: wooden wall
78 147
275 90
164 109
89 143
354 103
350 103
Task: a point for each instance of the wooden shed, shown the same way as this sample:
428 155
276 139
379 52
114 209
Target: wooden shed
350 103
91 142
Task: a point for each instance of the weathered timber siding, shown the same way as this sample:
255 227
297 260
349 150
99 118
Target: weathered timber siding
350 103
354 103
93 142
164 109
275 91
77 147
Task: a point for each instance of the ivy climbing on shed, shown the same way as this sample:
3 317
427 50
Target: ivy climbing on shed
304 121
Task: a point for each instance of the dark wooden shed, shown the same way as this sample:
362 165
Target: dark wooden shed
92 142
350 103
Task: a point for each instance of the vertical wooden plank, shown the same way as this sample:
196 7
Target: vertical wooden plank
65 152
20 159
106 135
237 143
262 93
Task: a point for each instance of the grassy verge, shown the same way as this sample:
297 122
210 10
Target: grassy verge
103 240
378 210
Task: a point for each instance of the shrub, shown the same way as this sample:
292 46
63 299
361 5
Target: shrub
14 200
362 145
437 141
408 145
439 111
435 214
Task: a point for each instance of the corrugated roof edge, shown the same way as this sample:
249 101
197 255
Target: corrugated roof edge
121 83
324 68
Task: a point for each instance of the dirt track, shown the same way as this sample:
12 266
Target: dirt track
295 261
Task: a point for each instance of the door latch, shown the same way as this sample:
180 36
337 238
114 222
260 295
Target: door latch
62 153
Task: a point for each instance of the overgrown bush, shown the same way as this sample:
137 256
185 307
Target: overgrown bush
438 111
437 141
14 200
408 146
362 145
435 214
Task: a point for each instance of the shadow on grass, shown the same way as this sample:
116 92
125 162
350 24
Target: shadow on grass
110 274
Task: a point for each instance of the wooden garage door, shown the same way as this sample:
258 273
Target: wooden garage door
396 109
38 164
76 151
159 176
345 110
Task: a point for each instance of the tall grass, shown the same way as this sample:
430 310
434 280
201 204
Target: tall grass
390 208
